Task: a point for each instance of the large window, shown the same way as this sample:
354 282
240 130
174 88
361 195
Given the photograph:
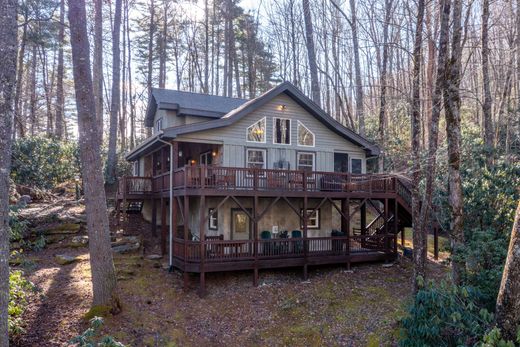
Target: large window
255 158
357 166
305 136
282 131
305 161
313 219
256 132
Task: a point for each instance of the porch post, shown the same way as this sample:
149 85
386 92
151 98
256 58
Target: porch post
387 240
396 225
175 159
174 229
186 230
202 237
154 217
345 225
305 240
163 226
363 219
255 236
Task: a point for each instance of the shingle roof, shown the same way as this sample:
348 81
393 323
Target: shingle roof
205 105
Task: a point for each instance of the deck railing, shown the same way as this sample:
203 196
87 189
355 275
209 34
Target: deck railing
135 185
242 250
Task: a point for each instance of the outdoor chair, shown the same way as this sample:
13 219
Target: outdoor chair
337 245
266 235
298 245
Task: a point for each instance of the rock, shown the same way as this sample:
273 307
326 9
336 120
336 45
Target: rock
154 257
66 228
126 244
24 200
63 259
79 241
388 265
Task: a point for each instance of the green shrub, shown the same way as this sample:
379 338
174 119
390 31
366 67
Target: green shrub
445 315
494 339
88 337
18 226
43 163
19 288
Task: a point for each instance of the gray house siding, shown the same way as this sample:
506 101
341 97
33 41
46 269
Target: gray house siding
233 138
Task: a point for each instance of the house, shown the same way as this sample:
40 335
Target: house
264 183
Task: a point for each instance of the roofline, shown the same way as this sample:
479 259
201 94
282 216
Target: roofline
137 152
253 104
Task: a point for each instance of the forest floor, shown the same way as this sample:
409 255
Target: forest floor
333 308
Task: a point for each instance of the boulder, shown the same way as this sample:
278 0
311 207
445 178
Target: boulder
79 241
24 200
65 228
153 257
54 238
126 244
64 259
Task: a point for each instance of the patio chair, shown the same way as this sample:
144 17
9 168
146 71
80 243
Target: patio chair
298 245
337 245
266 235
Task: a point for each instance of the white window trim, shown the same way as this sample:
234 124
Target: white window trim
274 131
350 165
265 131
256 149
317 219
298 136
213 217
313 159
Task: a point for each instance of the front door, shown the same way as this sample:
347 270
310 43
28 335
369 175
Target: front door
340 162
240 225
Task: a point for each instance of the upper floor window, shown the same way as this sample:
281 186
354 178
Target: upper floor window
158 125
282 131
256 132
356 166
255 158
305 136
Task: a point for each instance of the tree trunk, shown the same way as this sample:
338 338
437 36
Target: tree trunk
452 111
59 88
419 238
360 108
382 103
508 301
151 31
130 92
433 137
32 82
20 124
487 104
8 51
97 73
101 263
311 53
116 91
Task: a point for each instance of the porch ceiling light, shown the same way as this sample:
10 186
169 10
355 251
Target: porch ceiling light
180 153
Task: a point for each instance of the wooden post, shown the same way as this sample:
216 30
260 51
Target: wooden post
436 243
174 219
387 240
396 225
403 237
186 231
305 240
175 159
202 237
164 229
363 218
154 217
345 226
255 236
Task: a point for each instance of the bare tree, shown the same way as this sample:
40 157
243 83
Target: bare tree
101 262
360 107
419 237
97 73
508 301
487 104
8 50
452 111
60 103
116 94
311 53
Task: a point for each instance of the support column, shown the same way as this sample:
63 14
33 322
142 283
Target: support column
154 217
186 231
345 226
387 240
202 237
396 225
363 218
164 229
255 237
305 240
175 159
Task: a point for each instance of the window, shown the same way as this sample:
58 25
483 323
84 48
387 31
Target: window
136 168
256 132
305 161
282 131
305 136
255 158
313 221
357 165
158 125
213 219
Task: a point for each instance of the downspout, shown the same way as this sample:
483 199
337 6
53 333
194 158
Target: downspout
171 204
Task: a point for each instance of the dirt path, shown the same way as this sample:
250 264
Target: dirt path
333 308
